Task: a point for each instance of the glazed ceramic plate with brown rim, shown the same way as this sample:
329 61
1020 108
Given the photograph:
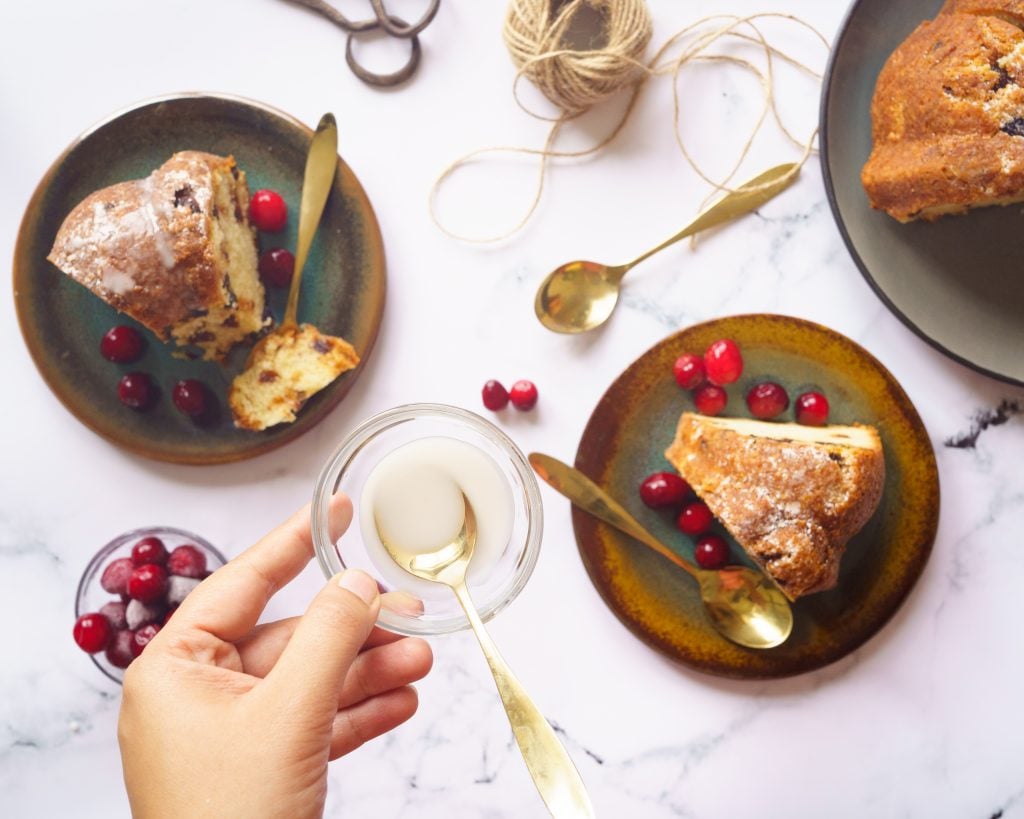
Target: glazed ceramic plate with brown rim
956 282
62 322
635 421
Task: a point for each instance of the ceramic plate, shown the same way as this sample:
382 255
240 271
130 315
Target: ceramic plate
634 423
62 322
956 282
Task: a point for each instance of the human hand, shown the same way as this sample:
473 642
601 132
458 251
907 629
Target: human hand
221 717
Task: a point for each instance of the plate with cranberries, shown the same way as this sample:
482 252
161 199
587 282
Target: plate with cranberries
113 374
771 368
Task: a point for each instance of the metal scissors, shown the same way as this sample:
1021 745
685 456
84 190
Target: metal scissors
392 25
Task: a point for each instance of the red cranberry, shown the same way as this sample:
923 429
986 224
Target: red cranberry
723 362
189 397
710 399
114 611
694 519
147 583
149 550
122 344
523 395
711 552
663 489
142 637
115 576
495 395
119 651
277 266
136 391
268 211
187 561
92 632
689 371
767 400
812 409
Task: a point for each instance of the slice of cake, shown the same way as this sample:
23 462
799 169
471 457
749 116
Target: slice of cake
175 251
792 496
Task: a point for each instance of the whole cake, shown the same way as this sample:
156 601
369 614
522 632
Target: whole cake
175 251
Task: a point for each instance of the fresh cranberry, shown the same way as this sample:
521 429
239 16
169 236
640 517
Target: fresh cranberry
694 519
122 344
149 550
767 400
277 266
136 391
710 399
663 489
711 552
114 611
187 561
189 397
119 651
523 395
147 583
723 362
142 637
812 409
268 211
689 371
495 395
115 576
92 632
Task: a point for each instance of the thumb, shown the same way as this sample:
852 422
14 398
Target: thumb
325 643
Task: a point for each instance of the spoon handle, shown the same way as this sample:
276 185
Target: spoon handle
548 762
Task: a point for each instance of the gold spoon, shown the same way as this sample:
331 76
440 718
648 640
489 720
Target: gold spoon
549 764
743 605
580 296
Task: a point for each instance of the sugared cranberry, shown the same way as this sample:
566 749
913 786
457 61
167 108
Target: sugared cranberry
523 395
495 395
812 409
689 371
711 552
92 632
119 651
767 400
136 390
142 637
149 550
187 561
115 576
694 519
277 266
147 583
268 211
710 399
723 362
189 397
122 344
663 489
114 611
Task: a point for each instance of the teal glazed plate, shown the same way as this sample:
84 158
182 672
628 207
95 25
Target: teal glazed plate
635 421
342 293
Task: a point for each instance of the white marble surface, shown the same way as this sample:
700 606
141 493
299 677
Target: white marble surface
923 721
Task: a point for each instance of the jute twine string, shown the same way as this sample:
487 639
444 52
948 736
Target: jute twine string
576 80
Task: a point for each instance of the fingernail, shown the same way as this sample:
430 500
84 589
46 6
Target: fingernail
360 584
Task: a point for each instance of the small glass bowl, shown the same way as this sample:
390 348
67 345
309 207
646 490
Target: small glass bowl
91 595
355 459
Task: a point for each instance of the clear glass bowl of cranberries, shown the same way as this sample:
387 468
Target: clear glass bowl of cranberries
135 582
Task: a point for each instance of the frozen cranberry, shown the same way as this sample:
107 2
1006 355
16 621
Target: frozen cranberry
523 395
92 632
495 395
689 371
767 400
122 344
710 399
277 266
170 612
136 391
694 519
147 583
115 576
663 489
812 409
138 614
723 362
268 211
149 550
711 552
178 588
142 637
119 651
189 397
187 561
114 611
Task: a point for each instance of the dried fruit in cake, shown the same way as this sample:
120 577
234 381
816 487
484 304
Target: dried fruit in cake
175 251
792 496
